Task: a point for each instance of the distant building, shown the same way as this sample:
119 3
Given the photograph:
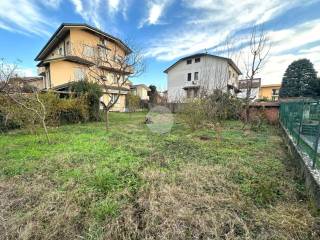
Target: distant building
140 90
201 71
24 82
270 92
255 88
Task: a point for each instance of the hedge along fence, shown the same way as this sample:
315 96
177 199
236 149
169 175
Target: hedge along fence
59 111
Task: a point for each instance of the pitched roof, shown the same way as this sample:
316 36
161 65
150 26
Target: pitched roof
272 85
141 85
229 60
256 83
59 32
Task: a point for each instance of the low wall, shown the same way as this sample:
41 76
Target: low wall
303 164
270 110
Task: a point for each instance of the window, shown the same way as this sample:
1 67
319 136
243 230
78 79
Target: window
103 42
189 61
197 60
196 76
88 51
79 74
114 98
275 91
118 58
60 51
189 76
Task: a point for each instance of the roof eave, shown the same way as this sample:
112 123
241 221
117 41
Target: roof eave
127 49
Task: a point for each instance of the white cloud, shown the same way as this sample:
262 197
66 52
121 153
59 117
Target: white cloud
208 22
89 11
156 9
113 5
24 17
51 3
26 72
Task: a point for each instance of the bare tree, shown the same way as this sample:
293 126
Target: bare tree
111 69
254 59
21 93
7 71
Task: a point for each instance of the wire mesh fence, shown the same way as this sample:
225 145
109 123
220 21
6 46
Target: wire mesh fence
301 118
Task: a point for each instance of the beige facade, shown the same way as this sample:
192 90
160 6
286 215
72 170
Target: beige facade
72 49
270 92
140 90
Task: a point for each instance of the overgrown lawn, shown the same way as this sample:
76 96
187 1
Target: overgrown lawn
130 183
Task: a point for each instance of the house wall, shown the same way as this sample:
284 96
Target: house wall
266 91
213 73
55 53
142 93
120 106
62 72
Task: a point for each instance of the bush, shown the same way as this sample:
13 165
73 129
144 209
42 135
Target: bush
193 113
58 111
133 102
213 108
62 110
14 116
92 93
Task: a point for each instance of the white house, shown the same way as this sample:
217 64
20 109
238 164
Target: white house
189 75
255 89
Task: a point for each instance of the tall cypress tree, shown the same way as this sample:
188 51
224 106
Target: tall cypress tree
300 80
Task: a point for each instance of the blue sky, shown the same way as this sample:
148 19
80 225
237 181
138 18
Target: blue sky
168 29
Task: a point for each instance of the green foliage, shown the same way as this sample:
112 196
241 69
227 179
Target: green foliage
104 209
58 111
133 102
216 107
300 80
153 94
65 110
193 113
92 92
15 116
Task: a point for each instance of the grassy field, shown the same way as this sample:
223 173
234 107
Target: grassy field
130 183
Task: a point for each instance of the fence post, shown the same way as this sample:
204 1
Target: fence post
300 125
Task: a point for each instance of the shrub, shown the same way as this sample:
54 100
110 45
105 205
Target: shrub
193 113
15 116
58 111
92 93
133 102
212 108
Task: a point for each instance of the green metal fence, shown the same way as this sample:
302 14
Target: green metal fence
301 118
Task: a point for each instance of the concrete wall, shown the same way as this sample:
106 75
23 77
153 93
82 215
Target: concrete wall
303 168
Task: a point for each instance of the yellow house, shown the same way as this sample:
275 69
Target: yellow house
140 90
68 55
270 92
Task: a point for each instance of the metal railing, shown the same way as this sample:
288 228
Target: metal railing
301 118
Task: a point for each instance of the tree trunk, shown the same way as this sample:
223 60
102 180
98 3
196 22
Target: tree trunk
106 115
45 130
